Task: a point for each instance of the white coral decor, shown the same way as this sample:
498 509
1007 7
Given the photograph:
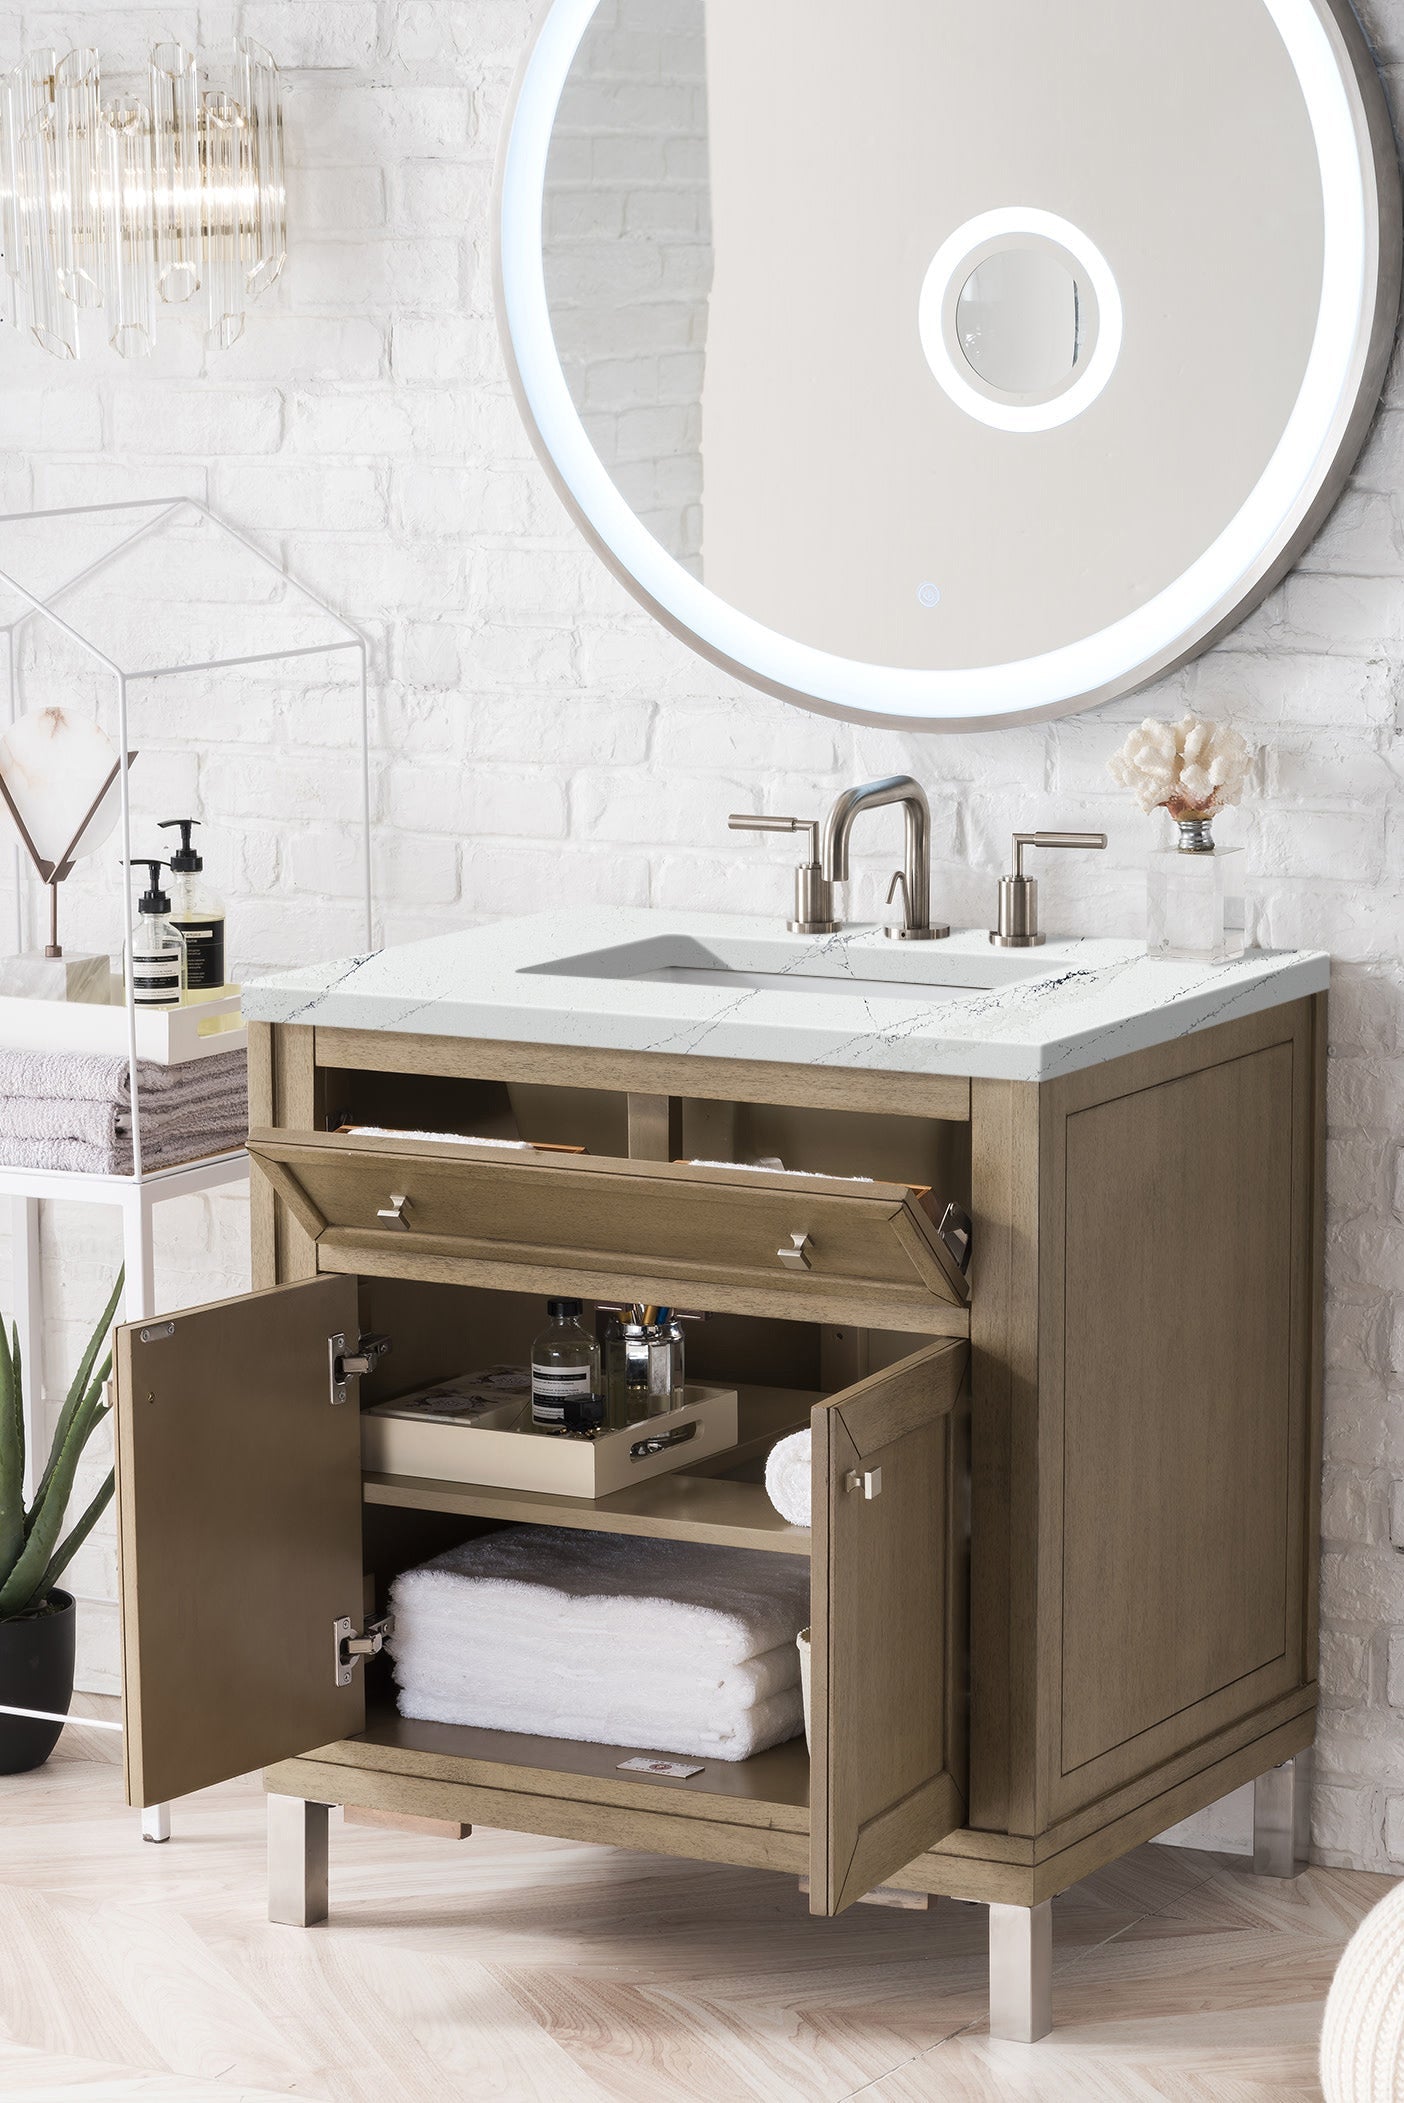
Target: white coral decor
1191 768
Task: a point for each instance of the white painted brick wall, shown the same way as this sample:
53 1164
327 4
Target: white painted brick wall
537 738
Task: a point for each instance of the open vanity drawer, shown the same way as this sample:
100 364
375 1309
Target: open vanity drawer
758 1242
241 1503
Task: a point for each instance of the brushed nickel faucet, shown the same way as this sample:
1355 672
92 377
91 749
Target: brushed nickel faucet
1018 894
914 877
814 897
828 858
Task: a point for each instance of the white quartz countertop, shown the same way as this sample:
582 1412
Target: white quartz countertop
731 988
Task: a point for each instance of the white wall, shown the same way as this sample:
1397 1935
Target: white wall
538 739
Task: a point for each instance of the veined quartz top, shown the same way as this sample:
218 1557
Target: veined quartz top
731 988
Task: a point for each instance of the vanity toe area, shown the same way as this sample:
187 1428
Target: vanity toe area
1034 1254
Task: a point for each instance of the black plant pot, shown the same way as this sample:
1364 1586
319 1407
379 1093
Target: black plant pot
36 1672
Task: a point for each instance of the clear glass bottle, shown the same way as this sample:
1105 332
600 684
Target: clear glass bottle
643 1366
565 1373
1196 898
197 916
155 952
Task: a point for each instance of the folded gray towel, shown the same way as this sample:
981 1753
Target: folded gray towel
187 1111
49 1117
79 1157
104 1078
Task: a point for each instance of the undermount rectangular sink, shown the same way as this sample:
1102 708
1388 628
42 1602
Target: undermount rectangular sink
899 971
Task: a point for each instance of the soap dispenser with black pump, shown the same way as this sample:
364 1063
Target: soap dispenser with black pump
197 916
155 951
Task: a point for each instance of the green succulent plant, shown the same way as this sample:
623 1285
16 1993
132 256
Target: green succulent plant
31 1556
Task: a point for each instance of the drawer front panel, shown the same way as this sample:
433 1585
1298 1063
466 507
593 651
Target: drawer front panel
801 1237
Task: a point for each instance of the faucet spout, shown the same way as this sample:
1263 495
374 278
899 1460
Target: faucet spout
838 829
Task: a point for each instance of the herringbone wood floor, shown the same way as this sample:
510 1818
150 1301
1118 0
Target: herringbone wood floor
510 1970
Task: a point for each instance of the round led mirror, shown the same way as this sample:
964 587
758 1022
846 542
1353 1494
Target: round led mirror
897 397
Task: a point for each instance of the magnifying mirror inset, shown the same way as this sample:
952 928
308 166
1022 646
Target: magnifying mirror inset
1019 321
895 396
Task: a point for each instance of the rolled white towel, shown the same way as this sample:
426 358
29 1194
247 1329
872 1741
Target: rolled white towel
787 1478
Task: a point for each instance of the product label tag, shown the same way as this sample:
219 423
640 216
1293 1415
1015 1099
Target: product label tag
676 1770
204 953
559 1382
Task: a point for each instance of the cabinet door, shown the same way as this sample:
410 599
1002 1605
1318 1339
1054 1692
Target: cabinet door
888 1640
239 1532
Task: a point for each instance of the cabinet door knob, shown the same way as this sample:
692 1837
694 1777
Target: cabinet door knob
869 1482
393 1214
796 1256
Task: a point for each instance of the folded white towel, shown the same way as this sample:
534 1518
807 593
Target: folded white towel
661 1645
671 1599
427 1657
777 1168
788 1477
636 1723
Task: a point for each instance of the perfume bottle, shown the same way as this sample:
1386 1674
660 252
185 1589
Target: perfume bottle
1196 904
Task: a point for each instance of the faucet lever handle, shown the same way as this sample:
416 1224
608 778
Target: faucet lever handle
1053 839
1018 894
760 821
814 898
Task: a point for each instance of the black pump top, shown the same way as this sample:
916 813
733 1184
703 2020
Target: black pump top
155 899
185 861
562 1310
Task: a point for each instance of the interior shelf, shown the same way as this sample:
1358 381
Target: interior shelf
774 1784
691 1504
678 1507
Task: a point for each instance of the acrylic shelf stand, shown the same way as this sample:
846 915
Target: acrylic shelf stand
168 1037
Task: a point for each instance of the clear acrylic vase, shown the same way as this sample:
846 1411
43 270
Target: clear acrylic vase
1196 905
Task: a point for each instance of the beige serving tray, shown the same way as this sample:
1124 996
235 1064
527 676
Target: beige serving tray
569 1467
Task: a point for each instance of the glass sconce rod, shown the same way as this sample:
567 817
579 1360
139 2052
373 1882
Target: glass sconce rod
129 205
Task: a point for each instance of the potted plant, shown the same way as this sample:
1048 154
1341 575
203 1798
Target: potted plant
36 1619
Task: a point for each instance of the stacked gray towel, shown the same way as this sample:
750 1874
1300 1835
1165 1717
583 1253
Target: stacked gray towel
73 1110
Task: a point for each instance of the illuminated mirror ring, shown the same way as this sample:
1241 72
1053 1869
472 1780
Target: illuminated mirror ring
1359 175
1011 231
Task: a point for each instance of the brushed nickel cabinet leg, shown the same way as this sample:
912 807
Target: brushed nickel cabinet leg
297 1861
1021 1972
1282 1819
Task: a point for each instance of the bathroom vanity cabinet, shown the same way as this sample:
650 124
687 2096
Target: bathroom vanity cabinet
1064 1543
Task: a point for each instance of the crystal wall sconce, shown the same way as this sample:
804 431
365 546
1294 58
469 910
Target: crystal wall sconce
125 205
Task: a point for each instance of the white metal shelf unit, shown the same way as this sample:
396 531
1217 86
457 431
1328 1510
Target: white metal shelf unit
170 1038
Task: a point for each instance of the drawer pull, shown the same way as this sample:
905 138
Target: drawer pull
796 1257
393 1214
869 1482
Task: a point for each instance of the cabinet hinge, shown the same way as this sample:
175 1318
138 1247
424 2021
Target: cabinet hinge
956 1232
348 1648
345 1366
